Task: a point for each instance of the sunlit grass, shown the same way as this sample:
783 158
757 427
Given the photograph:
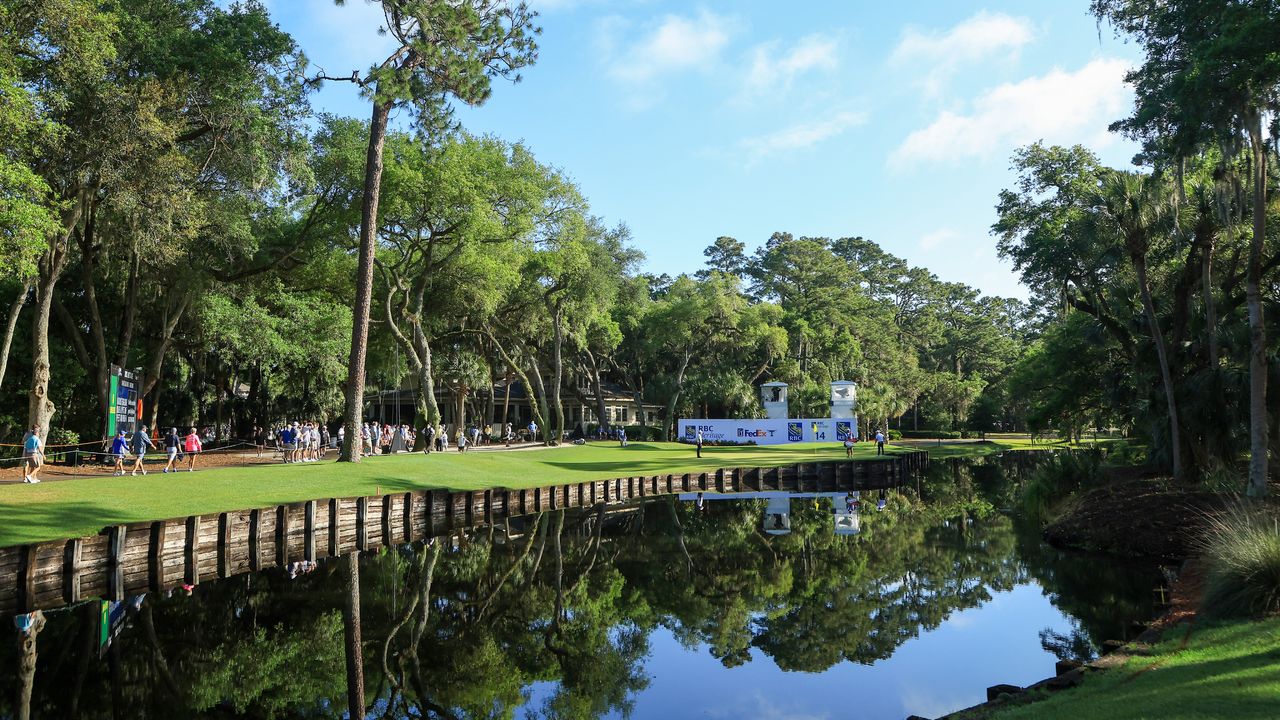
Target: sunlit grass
1224 671
74 507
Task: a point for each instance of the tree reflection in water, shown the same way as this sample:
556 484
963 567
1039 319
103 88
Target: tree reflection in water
554 613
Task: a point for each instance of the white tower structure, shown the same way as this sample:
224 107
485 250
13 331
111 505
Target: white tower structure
773 396
844 399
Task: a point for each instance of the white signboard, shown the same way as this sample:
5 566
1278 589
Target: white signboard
770 432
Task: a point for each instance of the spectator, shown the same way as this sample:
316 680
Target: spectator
879 443
192 446
141 443
698 440
119 448
289 441
32 456
171 445
533 431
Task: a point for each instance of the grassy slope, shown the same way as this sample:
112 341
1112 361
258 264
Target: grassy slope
1226 671
71 508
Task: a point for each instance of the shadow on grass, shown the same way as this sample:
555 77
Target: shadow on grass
26 524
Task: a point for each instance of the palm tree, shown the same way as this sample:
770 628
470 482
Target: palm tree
1129 204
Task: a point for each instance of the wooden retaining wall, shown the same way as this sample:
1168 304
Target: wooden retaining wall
125 560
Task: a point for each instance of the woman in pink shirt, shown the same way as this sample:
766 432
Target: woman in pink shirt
191 445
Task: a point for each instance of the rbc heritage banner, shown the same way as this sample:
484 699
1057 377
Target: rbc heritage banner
769 432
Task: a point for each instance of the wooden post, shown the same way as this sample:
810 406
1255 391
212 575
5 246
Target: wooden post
71 572
191 548
309 532
224 545
362 522
719 480
27 578
407 517
282 535
388 538
115 557
255 539
488 507
155 557
334 527
432 526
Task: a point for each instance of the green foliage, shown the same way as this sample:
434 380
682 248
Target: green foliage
1241 554
274 669
1059 478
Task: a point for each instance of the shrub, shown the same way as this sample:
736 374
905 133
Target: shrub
931 434
1060 477
1242 550
895 435
63 436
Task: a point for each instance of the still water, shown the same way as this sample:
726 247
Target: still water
761 606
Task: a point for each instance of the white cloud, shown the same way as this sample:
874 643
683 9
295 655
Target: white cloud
802 135
674 44
1059 107
772 71
941 54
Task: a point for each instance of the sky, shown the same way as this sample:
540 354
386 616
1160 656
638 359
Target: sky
894 121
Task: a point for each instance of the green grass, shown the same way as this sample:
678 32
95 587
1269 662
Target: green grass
1225 671
83 506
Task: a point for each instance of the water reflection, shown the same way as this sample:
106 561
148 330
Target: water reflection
605 612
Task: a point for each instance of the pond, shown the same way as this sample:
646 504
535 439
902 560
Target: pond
746 605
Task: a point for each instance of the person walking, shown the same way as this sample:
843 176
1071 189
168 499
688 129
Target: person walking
462 441
533 431
192 446
171 445
698 440
32 456
119 448
141 443
622 437
848 445
879 443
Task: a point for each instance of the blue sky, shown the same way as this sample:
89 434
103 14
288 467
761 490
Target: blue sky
890 120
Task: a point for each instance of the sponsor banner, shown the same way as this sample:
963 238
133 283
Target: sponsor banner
769 432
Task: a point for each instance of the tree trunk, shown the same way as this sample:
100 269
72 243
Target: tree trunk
125 338
557 380
460 411
1210 305
543 422
40 409
1257 330
426 381
1162 355
11 324
27 666
364 282
669 424
506 399
598 388
351 633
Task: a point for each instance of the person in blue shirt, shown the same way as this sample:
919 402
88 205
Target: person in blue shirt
141 443
32 456
119 448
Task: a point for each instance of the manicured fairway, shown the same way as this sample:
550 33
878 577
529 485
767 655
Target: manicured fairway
83 506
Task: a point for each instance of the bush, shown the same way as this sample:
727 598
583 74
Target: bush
63 436
895 435
930 434
1056 480
1242 550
